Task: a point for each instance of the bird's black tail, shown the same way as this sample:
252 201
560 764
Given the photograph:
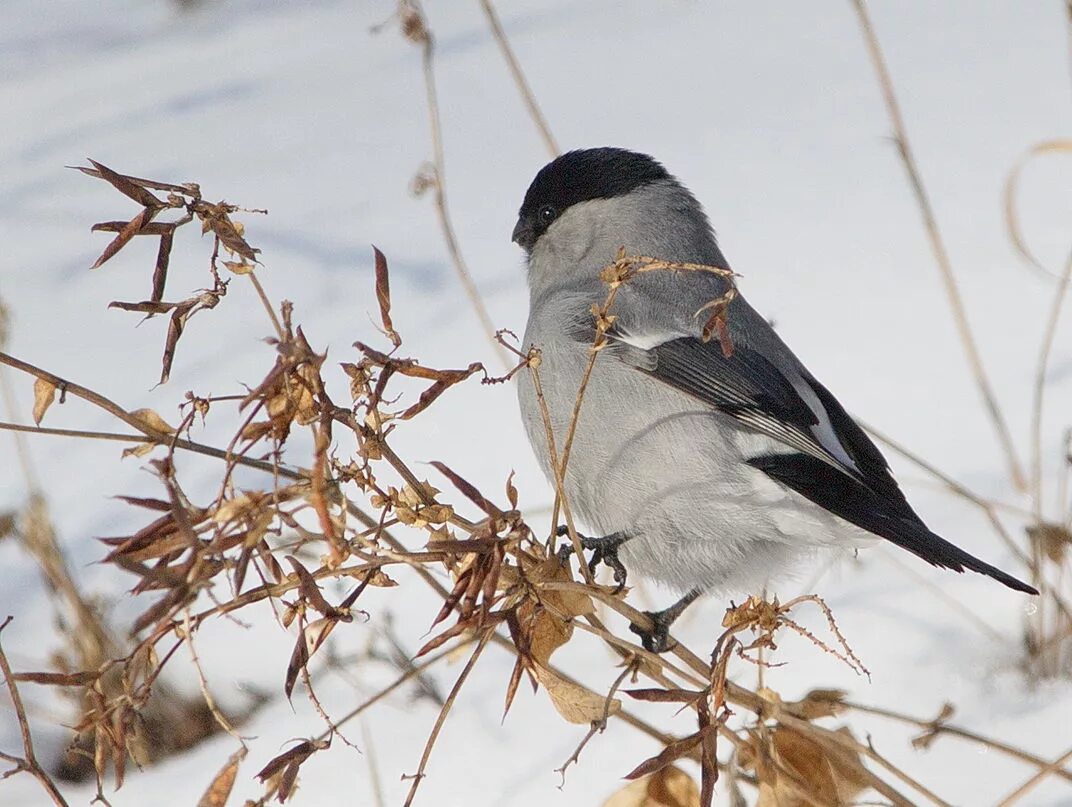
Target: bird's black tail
936 550
858 504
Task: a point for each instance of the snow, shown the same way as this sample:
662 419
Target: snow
768 111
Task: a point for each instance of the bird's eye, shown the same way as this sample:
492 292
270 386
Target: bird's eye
547 214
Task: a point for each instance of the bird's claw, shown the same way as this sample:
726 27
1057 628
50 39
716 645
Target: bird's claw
604 550
658 639
609 557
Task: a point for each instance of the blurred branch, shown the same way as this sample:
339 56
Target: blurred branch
443 712
934 728
415 27
1039 387
519 78
1030 784
956 302
28 762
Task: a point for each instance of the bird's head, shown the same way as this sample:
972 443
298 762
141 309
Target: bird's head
587 204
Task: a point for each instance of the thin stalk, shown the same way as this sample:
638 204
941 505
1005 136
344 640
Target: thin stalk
945 268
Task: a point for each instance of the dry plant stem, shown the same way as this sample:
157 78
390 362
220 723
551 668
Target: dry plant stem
519 78
150 434
21 449
561 502
28 762
462 676
217 715
597 726
1039 390
956 488
1068 21
938 591
956 303
739 695
369 742
1049 591
440 189
412 672
623 714
119 438
964 734
1031 783
505 643
735 693
267 305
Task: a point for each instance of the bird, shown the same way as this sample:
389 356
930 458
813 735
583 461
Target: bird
704 464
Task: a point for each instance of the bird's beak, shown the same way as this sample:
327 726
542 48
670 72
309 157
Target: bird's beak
522 235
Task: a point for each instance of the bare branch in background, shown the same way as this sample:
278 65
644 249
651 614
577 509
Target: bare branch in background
945 268
519 78
415 28
28 761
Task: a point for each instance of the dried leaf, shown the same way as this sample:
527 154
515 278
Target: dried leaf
468 490
383 296
145 307
673 751
44 395
819 703
547 632
1053 539
175 328
312 639
163 258
239 267
511 686
220 789
511 491
567 604
309 589
152 420
149 504
216 219
132 228
140 450
286 765
152 228
669 787
665 695
831 774
575 703
128 186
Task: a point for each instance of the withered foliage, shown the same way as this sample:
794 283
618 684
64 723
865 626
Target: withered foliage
350 508
187 201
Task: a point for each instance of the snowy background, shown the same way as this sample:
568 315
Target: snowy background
768 111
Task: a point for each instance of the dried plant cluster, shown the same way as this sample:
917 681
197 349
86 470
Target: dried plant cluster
358 516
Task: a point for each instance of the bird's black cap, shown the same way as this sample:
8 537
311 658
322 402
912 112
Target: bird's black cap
578 176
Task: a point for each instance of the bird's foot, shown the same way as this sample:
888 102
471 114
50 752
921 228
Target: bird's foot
658 639
604 550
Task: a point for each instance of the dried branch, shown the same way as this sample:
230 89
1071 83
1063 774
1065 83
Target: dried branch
28 761
1031 783
945 268
462 676
415 28
519 78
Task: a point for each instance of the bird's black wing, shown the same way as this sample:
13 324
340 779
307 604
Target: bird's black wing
748 387
833 462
